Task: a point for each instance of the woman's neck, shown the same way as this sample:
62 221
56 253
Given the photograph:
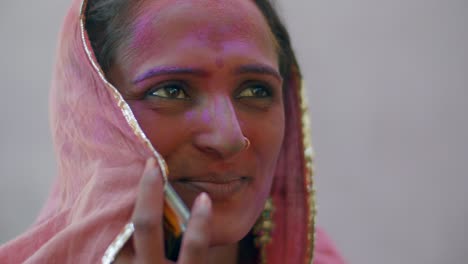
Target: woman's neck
224 254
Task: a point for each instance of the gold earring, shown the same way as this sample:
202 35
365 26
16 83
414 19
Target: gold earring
263 228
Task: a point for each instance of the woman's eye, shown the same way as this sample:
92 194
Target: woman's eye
170 91
256 91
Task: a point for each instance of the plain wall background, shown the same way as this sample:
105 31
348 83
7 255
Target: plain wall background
388 85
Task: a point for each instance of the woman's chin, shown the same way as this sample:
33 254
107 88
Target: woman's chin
225 237
230 228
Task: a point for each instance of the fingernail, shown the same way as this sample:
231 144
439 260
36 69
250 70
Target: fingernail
150 166
202 204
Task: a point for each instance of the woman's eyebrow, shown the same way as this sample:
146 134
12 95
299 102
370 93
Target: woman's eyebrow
247 68
162 70
259 69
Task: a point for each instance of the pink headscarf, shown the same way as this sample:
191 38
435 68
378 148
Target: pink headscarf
101 152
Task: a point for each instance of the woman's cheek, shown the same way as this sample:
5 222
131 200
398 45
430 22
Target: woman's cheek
163 137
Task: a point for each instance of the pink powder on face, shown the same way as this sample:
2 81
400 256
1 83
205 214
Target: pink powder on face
142 25
206 116
229 22
139 36
190 115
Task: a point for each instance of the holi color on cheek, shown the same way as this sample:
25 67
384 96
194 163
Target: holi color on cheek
200 77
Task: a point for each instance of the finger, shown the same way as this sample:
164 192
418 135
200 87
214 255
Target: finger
147 216
196 239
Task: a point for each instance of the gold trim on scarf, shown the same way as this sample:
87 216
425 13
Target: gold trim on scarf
113 250
309 173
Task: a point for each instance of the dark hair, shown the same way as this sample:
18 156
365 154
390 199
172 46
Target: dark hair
107 25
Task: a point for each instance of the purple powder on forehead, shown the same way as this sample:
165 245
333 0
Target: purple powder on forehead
143 23
139 38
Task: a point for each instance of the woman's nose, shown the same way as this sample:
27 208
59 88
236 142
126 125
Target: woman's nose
220 132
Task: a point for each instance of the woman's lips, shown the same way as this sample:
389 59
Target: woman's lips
217 189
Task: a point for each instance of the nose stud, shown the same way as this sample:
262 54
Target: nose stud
247 143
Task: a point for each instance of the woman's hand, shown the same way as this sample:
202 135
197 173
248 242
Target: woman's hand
147 244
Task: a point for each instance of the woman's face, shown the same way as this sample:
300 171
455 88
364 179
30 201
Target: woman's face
200 76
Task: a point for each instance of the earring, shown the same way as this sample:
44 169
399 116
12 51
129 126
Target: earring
263 228
247 143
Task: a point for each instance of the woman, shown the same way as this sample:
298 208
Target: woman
214 87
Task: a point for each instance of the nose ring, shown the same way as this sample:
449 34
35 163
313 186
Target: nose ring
247 143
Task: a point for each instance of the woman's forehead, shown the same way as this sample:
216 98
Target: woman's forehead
210 22
212 8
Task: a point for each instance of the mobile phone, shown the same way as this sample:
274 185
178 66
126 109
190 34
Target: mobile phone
176 216
176 213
